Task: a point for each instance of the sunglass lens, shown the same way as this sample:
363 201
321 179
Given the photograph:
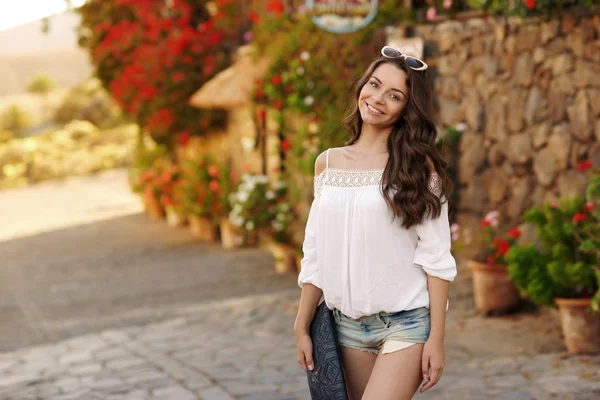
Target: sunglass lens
413 62
393 53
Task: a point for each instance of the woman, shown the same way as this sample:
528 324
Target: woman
377 243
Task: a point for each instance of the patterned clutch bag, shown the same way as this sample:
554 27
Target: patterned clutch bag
326 380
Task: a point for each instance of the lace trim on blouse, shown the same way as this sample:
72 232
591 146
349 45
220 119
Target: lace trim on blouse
346 178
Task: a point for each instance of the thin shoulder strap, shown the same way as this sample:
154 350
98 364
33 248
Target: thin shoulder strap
327 159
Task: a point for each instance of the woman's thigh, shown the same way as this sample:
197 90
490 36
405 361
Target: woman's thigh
396 376
357 365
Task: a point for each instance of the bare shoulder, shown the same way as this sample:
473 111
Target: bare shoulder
321 162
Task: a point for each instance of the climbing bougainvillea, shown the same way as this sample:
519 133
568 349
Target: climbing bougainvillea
153 55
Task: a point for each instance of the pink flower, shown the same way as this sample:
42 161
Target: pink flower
447 4
431 14
455 237
454 228
492 218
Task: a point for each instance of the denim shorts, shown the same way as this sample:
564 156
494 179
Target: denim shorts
369 333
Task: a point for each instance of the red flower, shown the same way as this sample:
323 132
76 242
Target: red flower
514 233
275 6
183 138
531 4
254 17
579 217
503 246
277 104
588 207
213 185
276 79
261 114
285 145
584 166
490 260
485 223
166 200
213 171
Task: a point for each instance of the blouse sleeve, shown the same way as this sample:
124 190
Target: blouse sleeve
434 242
309 272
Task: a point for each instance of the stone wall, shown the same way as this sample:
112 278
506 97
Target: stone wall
529 94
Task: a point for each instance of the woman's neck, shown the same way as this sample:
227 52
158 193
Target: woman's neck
372 140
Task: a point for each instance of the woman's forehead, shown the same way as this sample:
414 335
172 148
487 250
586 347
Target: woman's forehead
390 75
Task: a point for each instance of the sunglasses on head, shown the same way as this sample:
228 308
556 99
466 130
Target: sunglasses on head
413 62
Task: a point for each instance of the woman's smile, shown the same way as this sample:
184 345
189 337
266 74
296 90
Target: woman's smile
373 110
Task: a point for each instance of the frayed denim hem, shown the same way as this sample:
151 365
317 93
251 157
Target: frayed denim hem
376 352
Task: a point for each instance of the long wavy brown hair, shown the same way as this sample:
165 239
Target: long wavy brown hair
413 155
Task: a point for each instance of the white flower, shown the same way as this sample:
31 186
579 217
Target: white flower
300 70
280 217
242 197
305 56
309 100
250 225
280 185
270 195
285 207
313 128
461 127
237 209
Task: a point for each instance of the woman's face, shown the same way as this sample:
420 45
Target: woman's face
383 98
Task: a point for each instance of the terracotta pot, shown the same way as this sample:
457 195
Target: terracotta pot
175 218
153 208
231 237
285 257
581 328
493 289
202 228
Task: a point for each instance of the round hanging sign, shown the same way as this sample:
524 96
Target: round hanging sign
342 16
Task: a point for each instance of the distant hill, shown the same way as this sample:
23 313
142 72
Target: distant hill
29 37
25 51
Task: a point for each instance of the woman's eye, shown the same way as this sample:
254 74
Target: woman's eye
395 97
374 84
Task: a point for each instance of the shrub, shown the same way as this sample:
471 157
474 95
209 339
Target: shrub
40 84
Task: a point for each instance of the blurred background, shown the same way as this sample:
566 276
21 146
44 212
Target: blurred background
156 172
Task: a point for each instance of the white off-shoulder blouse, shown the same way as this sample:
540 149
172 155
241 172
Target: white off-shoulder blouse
364 261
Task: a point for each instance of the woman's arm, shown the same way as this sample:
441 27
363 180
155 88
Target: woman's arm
308 279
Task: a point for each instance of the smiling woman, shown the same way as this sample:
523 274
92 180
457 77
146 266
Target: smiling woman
377 242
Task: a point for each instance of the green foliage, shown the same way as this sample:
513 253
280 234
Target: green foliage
525 8
527 267
89 101
559 268
40 84
329 65
15 119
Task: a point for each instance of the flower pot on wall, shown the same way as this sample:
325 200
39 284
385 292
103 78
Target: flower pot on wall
581 328
231 237
493 289
174 217
285 257
202 228
153 208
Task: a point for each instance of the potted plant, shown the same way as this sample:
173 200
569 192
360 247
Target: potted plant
231 236
152 191
201 197
249 206
493 289
281 216
561 271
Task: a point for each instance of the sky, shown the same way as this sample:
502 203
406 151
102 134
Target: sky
17 12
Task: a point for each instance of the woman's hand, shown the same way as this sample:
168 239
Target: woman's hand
304 351
433 359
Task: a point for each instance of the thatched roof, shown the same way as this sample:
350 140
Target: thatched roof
232 87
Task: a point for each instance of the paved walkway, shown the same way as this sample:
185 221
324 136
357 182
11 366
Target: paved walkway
124 308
